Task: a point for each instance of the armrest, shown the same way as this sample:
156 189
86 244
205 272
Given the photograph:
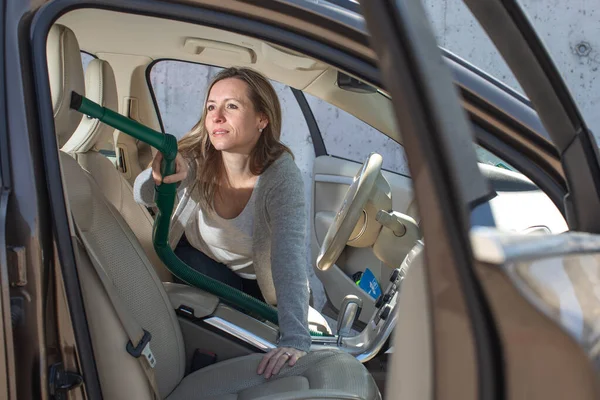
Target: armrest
201 302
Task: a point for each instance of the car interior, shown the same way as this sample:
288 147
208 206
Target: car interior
111 229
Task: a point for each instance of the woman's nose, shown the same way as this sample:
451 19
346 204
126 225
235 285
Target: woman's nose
218 115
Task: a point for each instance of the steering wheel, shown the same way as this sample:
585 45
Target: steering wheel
350 212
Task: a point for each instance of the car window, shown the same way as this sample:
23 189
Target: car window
486 157
179 89
348 137
519 205
569 32
457 30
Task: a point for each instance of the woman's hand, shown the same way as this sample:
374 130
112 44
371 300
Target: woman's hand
181 170
275 359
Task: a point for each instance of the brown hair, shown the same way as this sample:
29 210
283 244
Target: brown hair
196 146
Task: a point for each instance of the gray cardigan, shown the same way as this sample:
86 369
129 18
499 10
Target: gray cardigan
278 240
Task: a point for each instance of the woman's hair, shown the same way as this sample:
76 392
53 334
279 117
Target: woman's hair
196 145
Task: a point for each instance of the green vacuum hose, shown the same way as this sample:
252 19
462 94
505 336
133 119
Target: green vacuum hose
165 201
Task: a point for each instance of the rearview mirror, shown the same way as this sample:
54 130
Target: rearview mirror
351 84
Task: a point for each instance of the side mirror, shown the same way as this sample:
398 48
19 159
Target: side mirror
351 84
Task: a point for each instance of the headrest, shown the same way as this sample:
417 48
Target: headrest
65 72
100 87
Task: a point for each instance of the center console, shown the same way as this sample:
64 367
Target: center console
206 312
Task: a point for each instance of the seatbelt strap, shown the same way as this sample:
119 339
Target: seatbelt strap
139 339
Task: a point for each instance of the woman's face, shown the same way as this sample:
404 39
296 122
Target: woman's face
231 120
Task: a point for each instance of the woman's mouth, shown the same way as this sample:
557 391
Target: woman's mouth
219 132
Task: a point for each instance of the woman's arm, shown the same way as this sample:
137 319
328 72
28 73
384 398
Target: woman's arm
287 218
143 187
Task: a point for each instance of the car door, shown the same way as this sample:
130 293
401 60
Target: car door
347 141
7 357
489 314
343 141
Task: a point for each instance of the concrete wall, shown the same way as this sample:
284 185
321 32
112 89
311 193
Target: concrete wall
570 30
180 90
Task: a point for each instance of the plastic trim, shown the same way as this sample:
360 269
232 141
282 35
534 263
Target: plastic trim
313 127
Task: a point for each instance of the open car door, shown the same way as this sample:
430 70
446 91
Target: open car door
488 314
332 177
7 354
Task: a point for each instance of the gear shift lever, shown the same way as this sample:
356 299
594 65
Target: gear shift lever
349 312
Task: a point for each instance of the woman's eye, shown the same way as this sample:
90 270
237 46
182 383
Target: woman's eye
210 108
232 106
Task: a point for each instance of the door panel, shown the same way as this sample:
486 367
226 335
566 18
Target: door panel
331 178
543 293
412 337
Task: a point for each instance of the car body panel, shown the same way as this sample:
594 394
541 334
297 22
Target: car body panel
508 366
453 329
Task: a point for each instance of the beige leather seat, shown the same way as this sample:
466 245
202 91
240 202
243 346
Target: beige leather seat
322 374
85 144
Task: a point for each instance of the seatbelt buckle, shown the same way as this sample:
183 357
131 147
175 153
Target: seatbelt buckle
143 349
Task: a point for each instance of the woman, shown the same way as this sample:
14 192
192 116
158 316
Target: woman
240 216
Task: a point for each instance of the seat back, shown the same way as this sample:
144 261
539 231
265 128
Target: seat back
119 252
92 136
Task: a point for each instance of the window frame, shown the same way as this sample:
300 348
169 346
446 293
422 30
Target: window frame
326 152
313 127
551 188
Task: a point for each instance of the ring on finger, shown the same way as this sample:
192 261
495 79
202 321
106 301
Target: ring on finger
287 354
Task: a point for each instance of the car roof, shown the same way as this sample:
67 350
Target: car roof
346 13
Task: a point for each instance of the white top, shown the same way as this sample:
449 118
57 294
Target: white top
228 241
278 236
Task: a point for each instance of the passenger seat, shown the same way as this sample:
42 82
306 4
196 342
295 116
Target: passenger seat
92 136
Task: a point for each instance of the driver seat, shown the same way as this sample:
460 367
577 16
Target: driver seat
85 145
321 374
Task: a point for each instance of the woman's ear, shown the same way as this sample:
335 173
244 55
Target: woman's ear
263 122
